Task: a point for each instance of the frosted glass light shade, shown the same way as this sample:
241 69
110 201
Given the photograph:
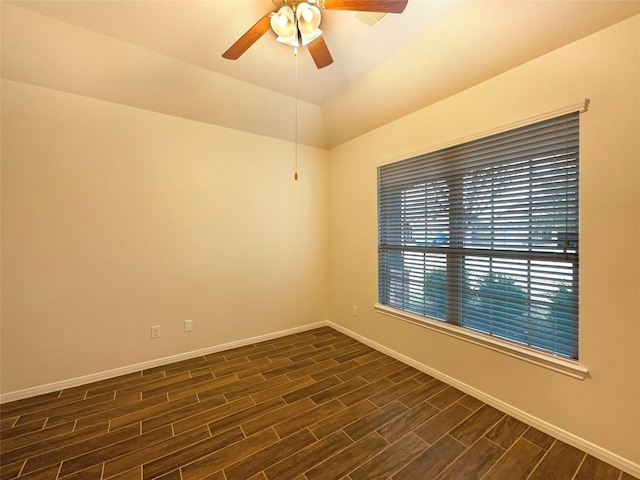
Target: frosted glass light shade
283 23
308 17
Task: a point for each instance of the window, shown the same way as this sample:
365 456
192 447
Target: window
484 235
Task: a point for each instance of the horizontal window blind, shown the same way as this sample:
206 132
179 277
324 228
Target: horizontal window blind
484 235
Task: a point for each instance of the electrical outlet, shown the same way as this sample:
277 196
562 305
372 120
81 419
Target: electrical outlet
155 331
188 325
354 311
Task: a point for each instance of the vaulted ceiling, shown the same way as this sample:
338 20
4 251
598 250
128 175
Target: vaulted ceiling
165 56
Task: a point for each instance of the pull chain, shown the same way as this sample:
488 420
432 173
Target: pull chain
295 54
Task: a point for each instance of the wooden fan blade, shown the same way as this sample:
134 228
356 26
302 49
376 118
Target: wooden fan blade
249 38
385 6
320 52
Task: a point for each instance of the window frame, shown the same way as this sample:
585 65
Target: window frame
537 356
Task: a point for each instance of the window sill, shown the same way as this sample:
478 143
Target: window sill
557 364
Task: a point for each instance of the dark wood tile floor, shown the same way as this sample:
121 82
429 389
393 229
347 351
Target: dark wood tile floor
316 405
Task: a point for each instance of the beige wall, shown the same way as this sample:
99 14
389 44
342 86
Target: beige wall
115 219
604 409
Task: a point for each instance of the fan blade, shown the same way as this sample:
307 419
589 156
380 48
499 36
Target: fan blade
320 52
249 38
384 6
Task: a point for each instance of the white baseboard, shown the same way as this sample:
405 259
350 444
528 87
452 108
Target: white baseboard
95 377
556 432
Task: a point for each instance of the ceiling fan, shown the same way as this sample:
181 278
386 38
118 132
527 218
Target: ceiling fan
296 23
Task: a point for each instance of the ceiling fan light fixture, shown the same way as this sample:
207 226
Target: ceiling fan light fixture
309 18
283 23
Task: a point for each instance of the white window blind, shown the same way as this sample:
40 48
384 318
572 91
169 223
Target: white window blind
484 235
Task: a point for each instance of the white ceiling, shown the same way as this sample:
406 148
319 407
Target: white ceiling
165 56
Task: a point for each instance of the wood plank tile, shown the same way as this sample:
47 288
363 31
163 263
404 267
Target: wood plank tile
311 369
204 417
627 476
305 459
209 384
267 457
53 444
310 390
260 365
11 470
147 453
117 408
228 384
475 462
403 374
285 369
343 343
394 392
152 412
57 455
152 385
62 413
133 474
348 459
7 423
445 398
276 352
519 461
560 462
282 389
177 386
31 435
242 416
541 439
248 350
232 366
365 392
374 420
389 369
594 469
432 461
318 355
338 390
199 410
91 473
390 460
277 416
256 387
470 402
47 473
153 468
228 455
359 370
476 425
420 394
320 342
359 351
506 431
333 371
107 386
370 357
407 422
19 407
337 421
308 418
180 366
442 423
